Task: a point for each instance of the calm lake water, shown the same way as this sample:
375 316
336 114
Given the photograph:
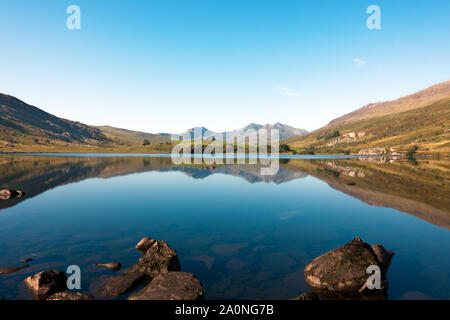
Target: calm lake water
244 235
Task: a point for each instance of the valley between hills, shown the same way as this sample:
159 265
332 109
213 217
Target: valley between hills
412 125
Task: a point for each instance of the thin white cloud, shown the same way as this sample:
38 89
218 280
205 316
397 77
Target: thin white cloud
288 92
359 62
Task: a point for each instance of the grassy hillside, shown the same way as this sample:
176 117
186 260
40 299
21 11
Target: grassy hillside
131 137
417 100
25 128
22 123
426 129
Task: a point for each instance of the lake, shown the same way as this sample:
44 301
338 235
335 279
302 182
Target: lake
244 235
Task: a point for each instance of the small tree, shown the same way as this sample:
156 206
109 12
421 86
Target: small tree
146 142
284 148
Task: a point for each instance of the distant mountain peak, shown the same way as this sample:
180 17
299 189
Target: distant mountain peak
285 130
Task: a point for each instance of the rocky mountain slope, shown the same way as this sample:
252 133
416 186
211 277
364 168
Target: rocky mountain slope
285 131
25 128
23 123
417 100
416 123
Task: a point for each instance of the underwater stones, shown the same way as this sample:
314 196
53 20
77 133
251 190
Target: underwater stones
46 283
115 266
343 271
171 286
7 270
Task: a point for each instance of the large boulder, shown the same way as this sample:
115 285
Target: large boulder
46 283
158 258
343 271
70 296
115 286
171 286
7 194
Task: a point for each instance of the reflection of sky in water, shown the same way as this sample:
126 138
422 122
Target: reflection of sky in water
242 240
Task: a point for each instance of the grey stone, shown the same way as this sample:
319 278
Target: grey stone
342 271
116 286
159 258
171 286
46 283
145 244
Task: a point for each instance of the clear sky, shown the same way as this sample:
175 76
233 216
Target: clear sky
168 65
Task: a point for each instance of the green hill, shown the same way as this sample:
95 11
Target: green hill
131 136
417 100
25 128
20 122
424 129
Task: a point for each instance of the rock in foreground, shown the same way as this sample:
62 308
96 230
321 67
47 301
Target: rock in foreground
46 283
342 271
384 257
171 286
71 296
158 258
7 194
116 286
145 244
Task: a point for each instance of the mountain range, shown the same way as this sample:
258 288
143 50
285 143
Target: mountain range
25 128
419 122
285 131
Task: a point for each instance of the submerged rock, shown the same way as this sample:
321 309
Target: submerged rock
343 271
46 283
171 286
70 296
159 258
12 269
110 265
116 286
7 194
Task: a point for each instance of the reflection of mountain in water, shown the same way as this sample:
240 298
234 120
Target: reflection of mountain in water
250 173
37 174
419 187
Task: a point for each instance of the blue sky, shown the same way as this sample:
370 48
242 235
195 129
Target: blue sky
165 66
